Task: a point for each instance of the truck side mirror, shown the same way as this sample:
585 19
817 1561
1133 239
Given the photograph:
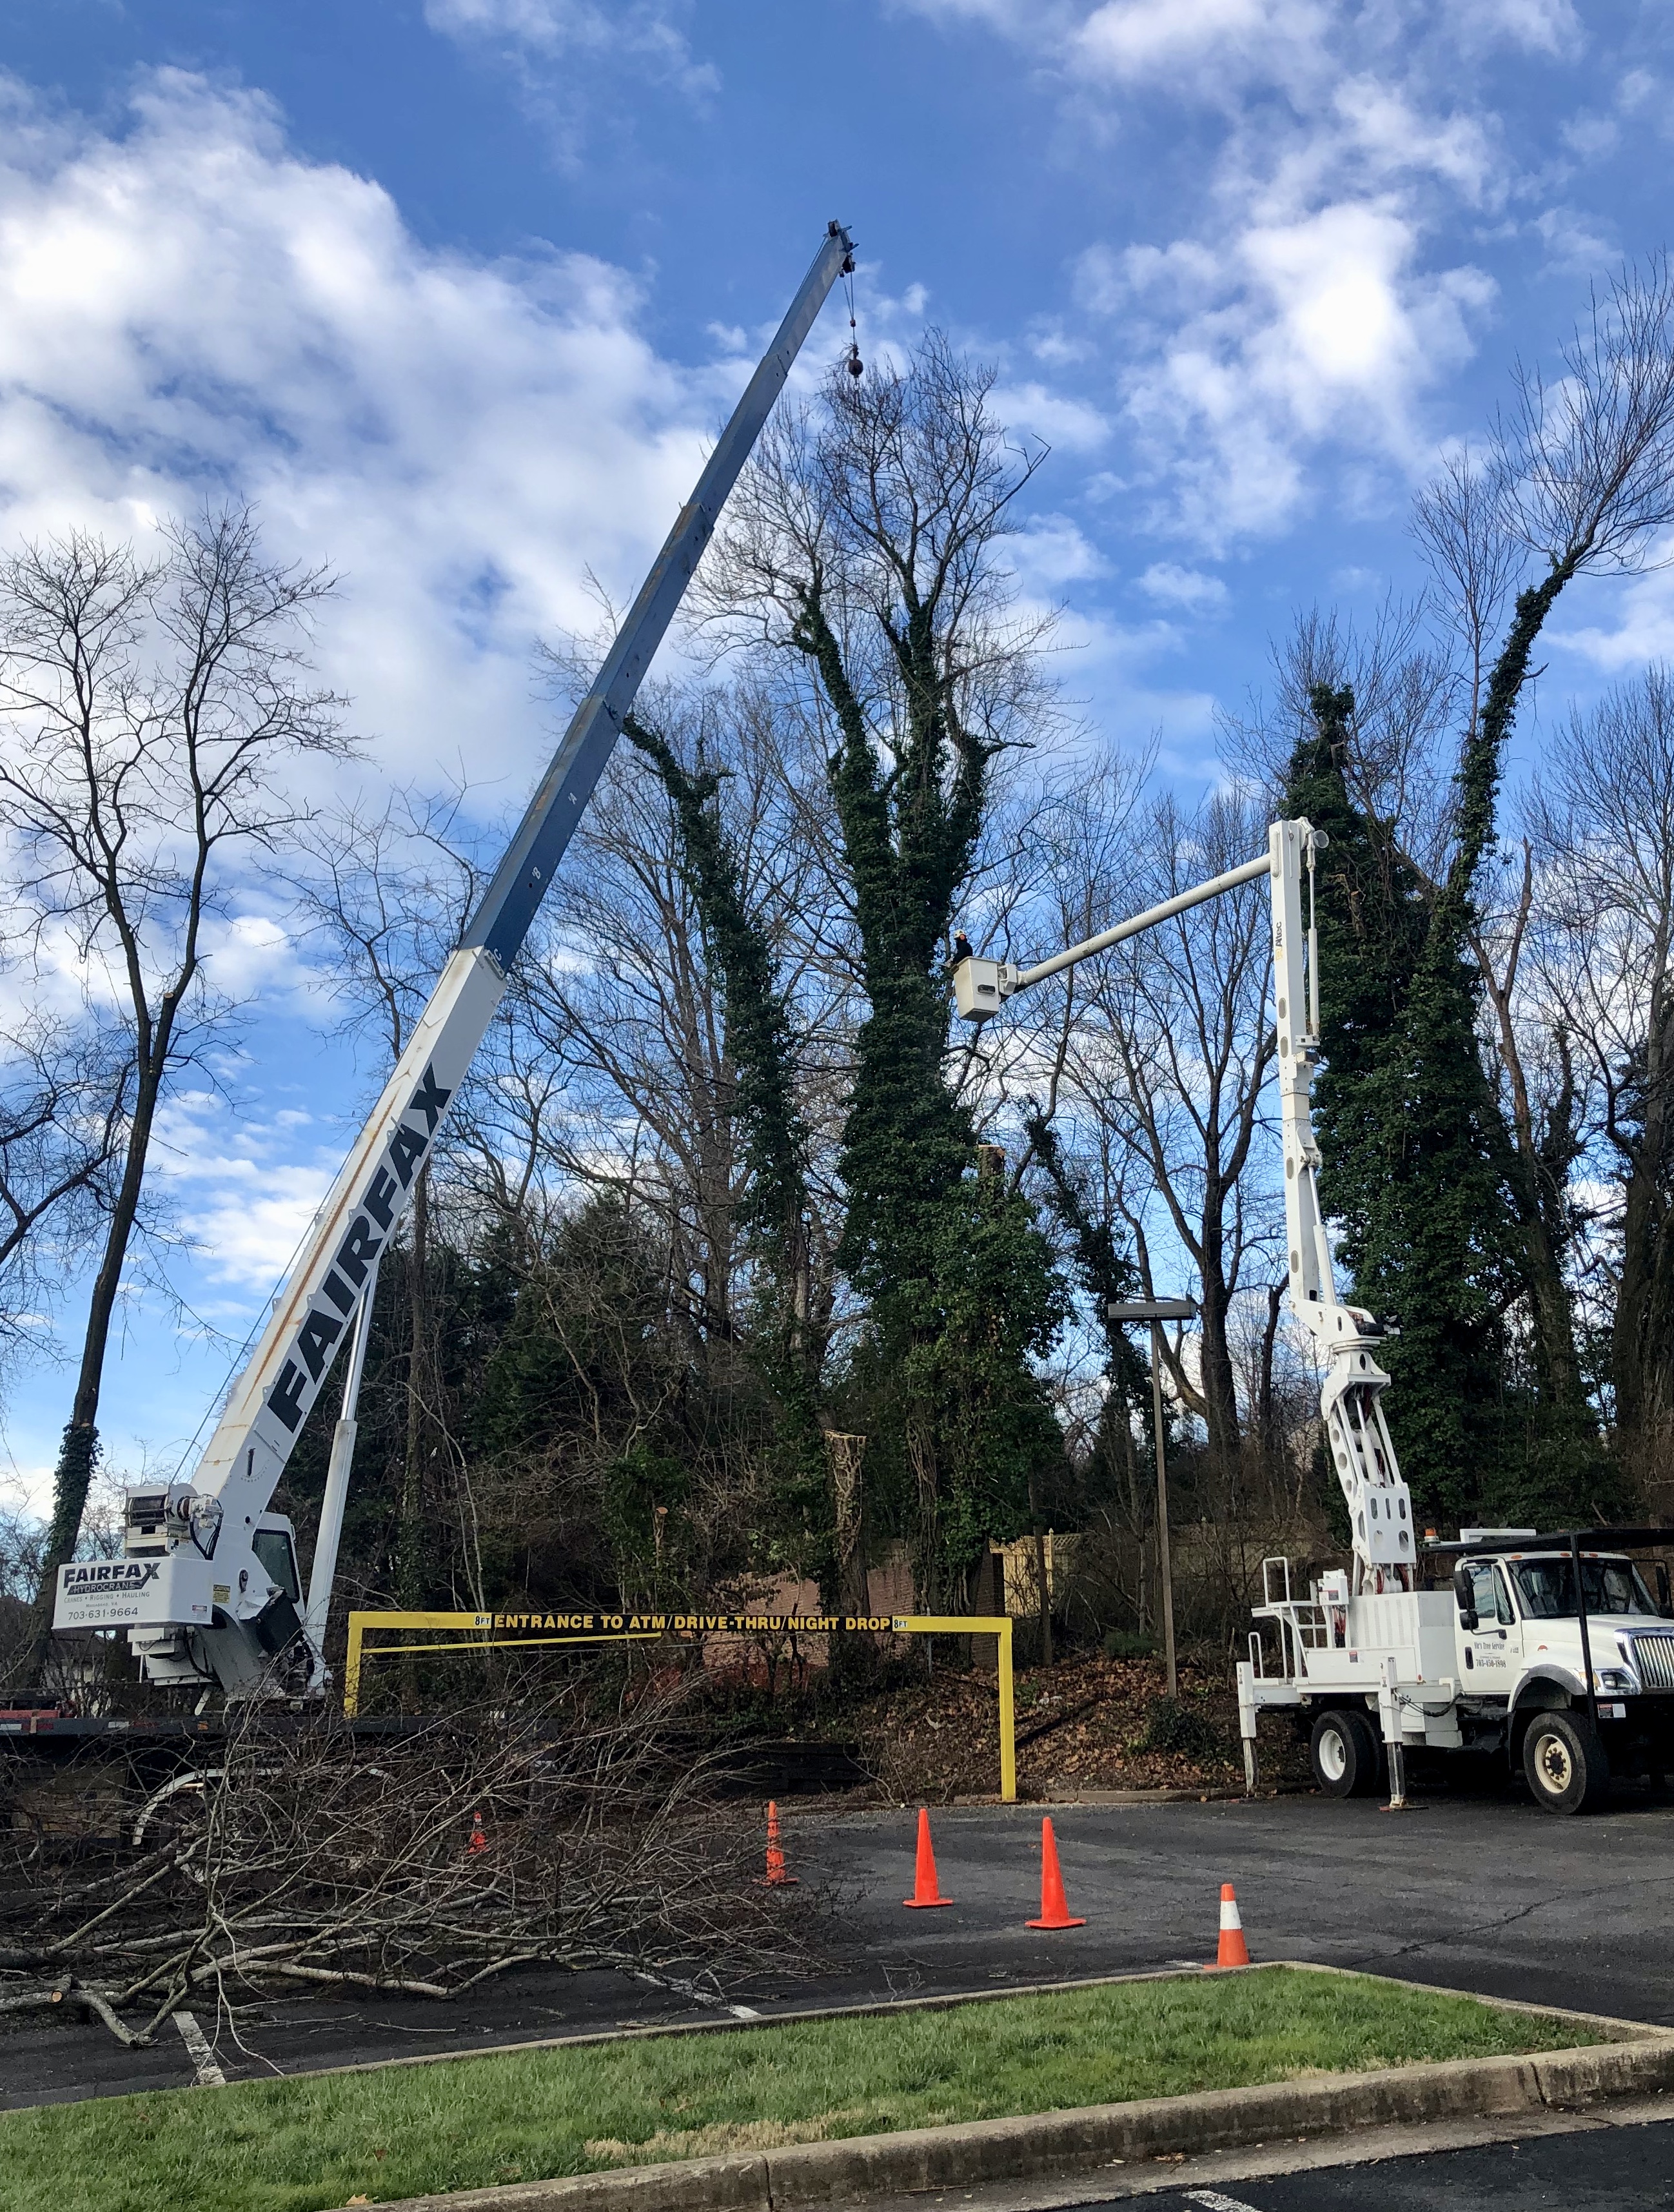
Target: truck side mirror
1664 1607
1465 1590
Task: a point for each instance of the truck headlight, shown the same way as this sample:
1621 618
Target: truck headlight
1617 1680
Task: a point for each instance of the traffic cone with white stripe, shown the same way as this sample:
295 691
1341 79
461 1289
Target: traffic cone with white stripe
1234 1950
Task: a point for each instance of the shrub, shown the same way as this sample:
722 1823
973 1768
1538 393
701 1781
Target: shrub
1174 1724
1127 1644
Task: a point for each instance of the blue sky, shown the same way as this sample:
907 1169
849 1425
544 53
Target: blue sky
455 289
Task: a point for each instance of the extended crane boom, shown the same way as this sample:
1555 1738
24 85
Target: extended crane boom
207 1586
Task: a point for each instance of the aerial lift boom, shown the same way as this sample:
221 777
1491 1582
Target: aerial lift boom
207 1586
1379 1507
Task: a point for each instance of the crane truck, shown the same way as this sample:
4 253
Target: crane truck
206 1586
1546 1653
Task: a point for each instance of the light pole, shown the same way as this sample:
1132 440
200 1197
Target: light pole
1157 1312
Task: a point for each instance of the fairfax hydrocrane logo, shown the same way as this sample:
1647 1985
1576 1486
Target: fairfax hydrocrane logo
88 1575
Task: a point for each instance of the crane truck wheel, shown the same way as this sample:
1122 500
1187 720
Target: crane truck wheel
1344 1752
1565 1763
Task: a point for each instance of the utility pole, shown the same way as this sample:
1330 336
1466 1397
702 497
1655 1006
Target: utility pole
1157 1312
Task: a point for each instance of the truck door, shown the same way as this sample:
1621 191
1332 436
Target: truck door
1489 1653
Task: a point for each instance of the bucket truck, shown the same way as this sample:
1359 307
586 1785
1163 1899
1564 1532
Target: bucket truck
1546 1653
207 1585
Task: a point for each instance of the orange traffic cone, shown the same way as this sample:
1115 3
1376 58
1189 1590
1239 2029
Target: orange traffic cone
1234 1950
924 1889
479 1836
1054 1905
775 1876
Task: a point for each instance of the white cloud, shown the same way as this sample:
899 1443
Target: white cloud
1067 424
1544 26
1208 47
1303 333
1574 243
1301 314
189 309
237 1179
644 33
1188 589
1643 629
1054 551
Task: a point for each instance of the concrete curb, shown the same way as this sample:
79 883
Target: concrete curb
981 2152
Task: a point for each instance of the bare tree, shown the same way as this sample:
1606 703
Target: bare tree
387 889
151 709
64 1103
1602 821
1175 1058
1406 692
864 550
1580 480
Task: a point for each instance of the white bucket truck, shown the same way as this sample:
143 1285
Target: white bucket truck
1501 1660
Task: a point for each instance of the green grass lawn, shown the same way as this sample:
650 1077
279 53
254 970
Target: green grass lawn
295 2145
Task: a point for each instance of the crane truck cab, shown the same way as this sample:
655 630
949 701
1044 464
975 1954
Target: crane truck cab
1502 1659
200 1600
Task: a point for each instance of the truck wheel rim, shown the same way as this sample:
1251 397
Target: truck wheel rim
1556 1768
1333 1756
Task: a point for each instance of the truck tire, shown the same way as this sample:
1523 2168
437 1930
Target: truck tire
1344 1752
1565 1763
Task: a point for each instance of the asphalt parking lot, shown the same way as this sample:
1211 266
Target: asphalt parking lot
1485 1894
1626 2169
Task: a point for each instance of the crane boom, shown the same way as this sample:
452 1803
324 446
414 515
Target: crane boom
196 1586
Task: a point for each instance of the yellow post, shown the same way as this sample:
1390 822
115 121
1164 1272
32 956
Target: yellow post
942 1624
1007 1719
351 1671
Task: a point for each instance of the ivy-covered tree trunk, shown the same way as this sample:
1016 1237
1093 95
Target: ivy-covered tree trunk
1441 1230
1108 1275
862 544
787 1336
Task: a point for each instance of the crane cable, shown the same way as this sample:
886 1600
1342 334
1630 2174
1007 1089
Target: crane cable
854 365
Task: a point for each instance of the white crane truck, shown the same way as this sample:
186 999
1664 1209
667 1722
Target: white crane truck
1547 1652
207 1587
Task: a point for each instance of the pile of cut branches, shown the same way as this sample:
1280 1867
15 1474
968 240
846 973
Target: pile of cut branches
423 1864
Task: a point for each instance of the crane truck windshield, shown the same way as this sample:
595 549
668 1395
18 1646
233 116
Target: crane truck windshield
1547 1587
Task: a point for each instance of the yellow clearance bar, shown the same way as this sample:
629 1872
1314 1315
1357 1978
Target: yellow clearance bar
528 1633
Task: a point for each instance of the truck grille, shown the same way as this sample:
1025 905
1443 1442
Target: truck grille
1654 1657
